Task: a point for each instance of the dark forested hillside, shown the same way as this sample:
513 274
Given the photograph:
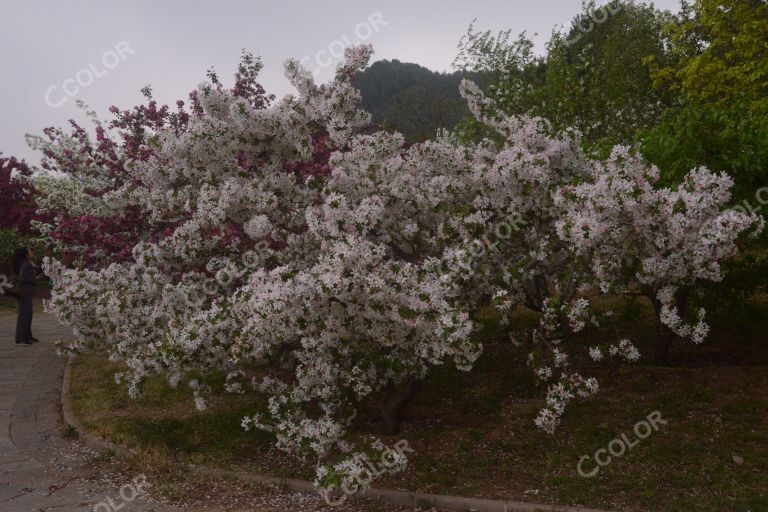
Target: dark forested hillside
412 99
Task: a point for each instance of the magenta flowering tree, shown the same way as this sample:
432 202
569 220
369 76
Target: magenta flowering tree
17 195
88 227
17 209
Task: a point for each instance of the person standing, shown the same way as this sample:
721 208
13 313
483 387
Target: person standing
25 271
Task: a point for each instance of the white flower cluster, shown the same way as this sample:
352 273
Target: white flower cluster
348 298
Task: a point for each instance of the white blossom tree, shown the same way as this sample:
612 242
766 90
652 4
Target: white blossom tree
344 280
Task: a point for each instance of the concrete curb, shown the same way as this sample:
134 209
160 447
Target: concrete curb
92 442
403 498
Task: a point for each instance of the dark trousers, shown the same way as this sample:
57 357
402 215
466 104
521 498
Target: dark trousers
24 320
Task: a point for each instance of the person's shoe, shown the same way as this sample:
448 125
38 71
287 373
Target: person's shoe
34 339
28 342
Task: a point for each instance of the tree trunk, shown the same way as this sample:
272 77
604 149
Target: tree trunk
536 293
662 346
665 334
396 401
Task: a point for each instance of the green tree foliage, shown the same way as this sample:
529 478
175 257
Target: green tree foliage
507 69
418 112
12 239
717 73
597 79
410 98
593 78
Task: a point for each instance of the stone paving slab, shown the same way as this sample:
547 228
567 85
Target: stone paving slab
40 471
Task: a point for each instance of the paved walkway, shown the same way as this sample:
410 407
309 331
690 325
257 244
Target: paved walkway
39 471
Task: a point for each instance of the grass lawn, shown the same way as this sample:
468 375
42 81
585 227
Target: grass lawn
473 434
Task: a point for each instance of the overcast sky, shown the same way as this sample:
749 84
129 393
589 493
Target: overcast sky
103 52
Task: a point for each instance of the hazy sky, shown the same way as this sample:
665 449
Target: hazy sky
103 52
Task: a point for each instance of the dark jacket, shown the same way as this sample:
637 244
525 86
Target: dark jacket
27 278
